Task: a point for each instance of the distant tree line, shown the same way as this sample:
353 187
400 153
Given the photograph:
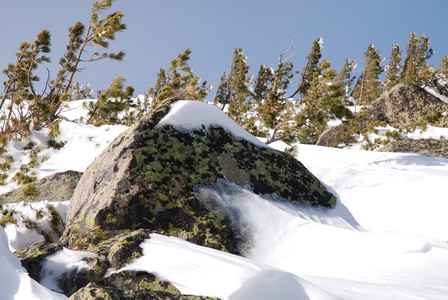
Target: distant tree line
266 104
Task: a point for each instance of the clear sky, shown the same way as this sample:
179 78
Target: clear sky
158 30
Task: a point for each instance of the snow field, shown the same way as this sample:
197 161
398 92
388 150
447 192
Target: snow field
385 239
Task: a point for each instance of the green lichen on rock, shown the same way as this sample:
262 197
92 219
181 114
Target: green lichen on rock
95 291
406 104
32 256
404 107
146 177
141 285
57 187
425 147
145 181
119 248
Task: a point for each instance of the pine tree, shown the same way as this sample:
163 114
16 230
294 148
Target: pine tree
273 109
97 33
20 85
323 102
310 69
24 108
394 67
368 87
177 82
110 104
233 89
415 66
346 79
443 68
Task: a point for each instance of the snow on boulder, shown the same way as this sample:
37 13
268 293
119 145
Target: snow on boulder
146 178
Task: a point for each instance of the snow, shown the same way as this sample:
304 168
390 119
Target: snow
436 93
19 236
14 280
385 191
385 239
188 116
203 271
61 262
84 143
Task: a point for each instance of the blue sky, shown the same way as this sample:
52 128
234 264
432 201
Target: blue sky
159 30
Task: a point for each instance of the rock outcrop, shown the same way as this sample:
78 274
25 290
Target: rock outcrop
57 187
145 179
145 182
425 147
405 104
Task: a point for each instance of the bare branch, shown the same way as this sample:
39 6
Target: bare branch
291 47
46 83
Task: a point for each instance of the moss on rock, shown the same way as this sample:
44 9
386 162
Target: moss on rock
57 187
145 179
406 104
425 147
32 256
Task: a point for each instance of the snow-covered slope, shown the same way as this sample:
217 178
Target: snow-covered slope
386 238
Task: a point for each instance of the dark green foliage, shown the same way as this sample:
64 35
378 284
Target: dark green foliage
274 111
311 68
394 67
323 102
415 66
263 110
346 79
177 82
369 86
23 108
114 101
233 89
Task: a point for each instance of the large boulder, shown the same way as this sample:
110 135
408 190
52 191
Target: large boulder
146 179
405 104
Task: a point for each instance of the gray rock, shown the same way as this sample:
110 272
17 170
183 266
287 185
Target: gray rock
425 147
405 104
146 181
57 187
146 177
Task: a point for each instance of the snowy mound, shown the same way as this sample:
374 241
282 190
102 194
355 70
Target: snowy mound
188 116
